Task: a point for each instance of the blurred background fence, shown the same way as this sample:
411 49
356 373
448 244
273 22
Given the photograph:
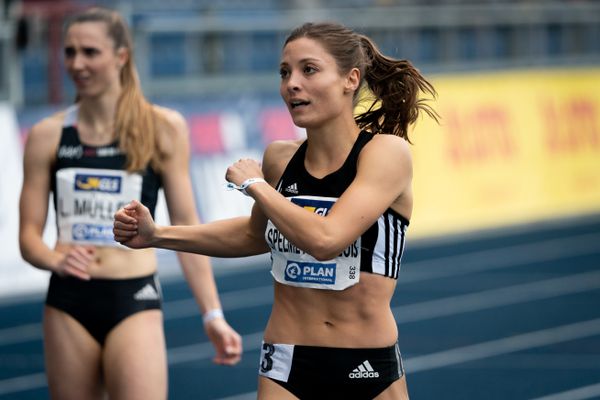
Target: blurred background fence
518 83
500 278
187 48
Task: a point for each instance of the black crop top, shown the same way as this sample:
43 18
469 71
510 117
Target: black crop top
378 250
90 184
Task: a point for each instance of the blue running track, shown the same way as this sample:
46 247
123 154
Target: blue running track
505 314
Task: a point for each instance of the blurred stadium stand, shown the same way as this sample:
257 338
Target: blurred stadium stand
190 47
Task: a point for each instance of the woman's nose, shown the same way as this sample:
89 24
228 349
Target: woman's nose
77 61
292 84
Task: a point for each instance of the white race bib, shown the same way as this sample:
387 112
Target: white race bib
276 361
87 200
292 266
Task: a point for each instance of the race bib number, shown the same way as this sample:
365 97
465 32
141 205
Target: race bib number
87 200
276 361
294 267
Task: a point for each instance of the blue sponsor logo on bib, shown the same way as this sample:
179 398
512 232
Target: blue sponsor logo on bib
92 232
305 272
98 183
316 206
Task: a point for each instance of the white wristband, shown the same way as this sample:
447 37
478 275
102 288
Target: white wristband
212 314
246 184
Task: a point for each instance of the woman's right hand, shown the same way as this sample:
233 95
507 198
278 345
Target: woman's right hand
76 262
134 226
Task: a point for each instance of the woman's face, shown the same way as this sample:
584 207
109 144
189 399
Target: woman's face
311 84
91 59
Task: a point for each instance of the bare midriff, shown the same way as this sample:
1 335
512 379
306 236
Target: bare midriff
118 263
358 317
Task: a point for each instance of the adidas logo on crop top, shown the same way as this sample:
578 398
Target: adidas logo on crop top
378 251
90 184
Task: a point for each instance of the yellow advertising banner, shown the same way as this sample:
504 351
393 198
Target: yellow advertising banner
510 148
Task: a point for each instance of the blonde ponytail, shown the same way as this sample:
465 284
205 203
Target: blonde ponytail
136 122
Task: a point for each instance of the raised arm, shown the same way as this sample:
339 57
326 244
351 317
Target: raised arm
234 237
382 181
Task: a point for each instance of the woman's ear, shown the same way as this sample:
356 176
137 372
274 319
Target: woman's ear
122 56
352 81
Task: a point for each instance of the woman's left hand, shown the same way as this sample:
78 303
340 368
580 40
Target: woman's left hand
227 342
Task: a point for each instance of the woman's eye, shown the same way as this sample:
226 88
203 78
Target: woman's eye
309 70
69 52
90 52
283 73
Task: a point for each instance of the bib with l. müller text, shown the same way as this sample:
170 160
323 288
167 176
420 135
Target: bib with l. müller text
87 199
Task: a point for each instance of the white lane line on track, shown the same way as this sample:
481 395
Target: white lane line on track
234 300
544 337
421 271
582 393
446 306
435 269
243 396
418 271
20 334
203 351
503 296
530 340
479 261
505 257
499 347
22 383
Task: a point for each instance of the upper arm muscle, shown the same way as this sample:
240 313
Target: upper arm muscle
37 163
382 181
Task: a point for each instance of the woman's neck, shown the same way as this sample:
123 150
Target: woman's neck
96 118
329 146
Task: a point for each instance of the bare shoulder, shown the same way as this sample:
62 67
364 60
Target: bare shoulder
283 148
172 131
385 164
395 142
172 122
388 147
277 156
49 125
168 114
44 136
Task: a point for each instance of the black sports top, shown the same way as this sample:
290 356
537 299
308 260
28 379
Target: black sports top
377 251
90 184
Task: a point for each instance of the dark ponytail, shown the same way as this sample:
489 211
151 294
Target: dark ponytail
396 85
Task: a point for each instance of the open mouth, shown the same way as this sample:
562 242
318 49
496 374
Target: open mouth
298 103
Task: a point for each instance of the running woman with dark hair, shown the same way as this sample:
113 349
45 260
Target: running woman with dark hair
332 210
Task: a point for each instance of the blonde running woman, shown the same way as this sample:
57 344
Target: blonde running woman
333 212
103 326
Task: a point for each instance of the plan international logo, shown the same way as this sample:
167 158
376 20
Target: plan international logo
98 183
87 232
304 272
